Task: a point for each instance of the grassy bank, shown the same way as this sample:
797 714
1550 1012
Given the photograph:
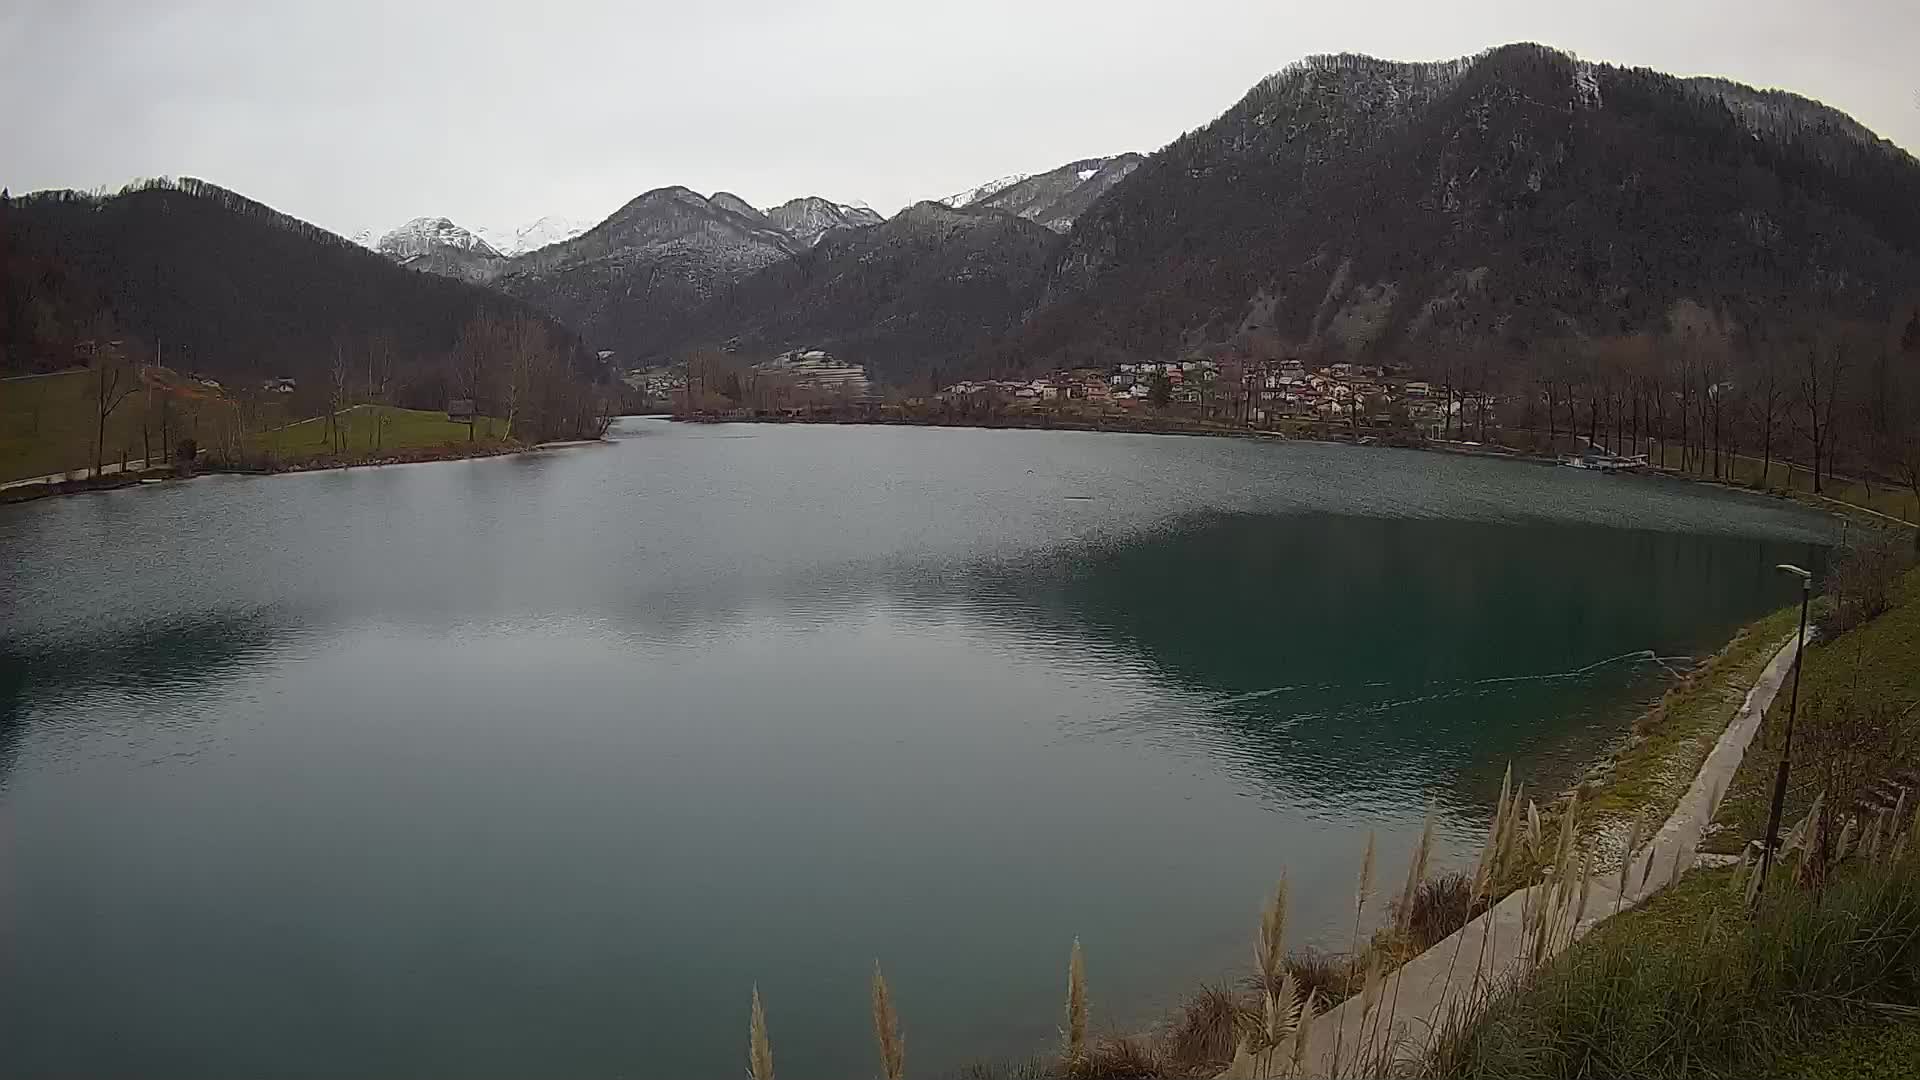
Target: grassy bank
1648 774
1879 660
48 426
48 422
1822 979
368 435
1890 499
1693 984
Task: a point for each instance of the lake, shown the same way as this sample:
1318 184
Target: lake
536 765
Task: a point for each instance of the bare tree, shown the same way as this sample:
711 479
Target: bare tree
530 360
337 375
114 380
1766 403
476 355
379 381
1823 366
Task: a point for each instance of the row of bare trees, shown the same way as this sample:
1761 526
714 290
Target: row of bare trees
1822 400
513 367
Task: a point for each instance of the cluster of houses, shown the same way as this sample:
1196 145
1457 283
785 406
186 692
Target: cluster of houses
799 376
816 371
1255 392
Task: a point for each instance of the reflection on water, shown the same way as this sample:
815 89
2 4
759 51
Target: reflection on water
141 678
535 765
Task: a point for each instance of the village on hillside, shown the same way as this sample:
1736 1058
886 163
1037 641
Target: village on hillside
1251 393
1257 394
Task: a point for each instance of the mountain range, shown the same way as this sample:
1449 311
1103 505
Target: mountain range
1345 206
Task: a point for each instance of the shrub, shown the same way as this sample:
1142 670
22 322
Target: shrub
1120 1057
1440 906
1846 742
1859 584
1208 1027
1324 974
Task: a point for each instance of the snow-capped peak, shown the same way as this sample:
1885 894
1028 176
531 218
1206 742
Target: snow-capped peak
811 217
970 196
551 229
422 235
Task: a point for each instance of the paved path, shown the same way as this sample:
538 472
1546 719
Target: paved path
107 469
1449 982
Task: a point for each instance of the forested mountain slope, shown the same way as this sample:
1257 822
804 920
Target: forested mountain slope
225 285
930 287
1367 207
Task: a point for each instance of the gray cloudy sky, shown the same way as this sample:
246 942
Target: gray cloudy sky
356 115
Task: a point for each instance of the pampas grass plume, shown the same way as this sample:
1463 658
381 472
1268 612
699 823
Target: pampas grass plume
886 1028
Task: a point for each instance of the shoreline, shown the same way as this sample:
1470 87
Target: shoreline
1326 433
164 474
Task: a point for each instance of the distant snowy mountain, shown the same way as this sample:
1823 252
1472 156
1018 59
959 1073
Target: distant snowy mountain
923 288
425 235
662 255
535 235
960 200
436 245
630 280
812 217
1054 198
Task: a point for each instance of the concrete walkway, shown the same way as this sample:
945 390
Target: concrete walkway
83 473
1447 984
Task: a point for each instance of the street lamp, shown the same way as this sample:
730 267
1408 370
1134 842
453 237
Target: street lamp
1786 751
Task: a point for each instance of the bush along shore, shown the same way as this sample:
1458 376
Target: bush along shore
1496 971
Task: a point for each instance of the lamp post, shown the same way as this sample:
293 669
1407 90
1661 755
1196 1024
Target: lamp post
1786 751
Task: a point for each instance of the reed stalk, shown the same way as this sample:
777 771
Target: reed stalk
1076 1034
1416 872
1303 1036
759 1050
1626 863
886 1028
1361 894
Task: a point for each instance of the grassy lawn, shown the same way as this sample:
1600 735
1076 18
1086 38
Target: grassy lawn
365 426
1890 500
1879 659
47 426
47 423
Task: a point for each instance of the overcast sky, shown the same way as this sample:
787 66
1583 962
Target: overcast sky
356 115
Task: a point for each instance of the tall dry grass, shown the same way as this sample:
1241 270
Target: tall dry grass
759 1049
1076 1032
1416 874
1363 891
886 1029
